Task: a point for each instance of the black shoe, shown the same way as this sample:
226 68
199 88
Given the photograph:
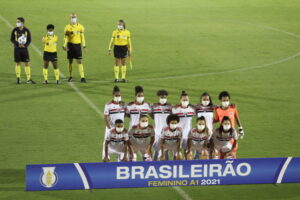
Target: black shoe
30 81
18 81
83 80
124 80
116 80
46 82
57 82
70 79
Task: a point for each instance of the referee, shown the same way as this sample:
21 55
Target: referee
21 38
74 38
122 44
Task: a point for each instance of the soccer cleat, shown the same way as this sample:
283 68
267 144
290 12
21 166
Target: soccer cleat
18 81
45 82
116 80
30 81
83 80
70 79
57 82
124 80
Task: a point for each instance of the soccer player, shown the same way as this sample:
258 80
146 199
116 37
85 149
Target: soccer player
160 112
121 40
21 38
142 138
186 112
50 53
170 138
222 144
113 110
138 107
74 38
206 109
117 142
198 139
230 110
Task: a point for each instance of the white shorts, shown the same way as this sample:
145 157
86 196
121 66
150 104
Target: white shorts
224 147
170 147
116 149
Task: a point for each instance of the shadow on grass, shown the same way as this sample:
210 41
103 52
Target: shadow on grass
11 179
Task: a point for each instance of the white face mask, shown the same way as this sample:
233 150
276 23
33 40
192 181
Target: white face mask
225 104
119 130
185 103
120 27
144 124
73 19
173 126
19 24
201 127
226 127
140 99
162 100
205 103
117 99
50 32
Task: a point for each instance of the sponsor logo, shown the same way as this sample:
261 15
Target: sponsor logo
48 177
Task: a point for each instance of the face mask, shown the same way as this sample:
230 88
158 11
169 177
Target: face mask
50 32
225 104
117 99
120 27
162 101
173 126
140 99
205 103
201 127
119 130
19 24
144 124
226 127
185 103
73 20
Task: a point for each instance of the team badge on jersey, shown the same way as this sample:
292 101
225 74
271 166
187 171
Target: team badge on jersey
48 177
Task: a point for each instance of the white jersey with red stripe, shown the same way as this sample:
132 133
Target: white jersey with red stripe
198 138
170 137
114 111
186 116
207 112
140 137
134 110
222 140
117 140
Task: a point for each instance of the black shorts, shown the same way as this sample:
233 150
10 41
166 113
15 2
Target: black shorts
74 51
120 51
50 56
21 55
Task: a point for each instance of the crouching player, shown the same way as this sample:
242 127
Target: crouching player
142 139
222 146
170 138
117 142
198 140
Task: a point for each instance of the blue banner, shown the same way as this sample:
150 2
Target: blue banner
162 173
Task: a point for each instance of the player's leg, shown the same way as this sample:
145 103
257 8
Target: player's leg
116 69
123 69
56 71
45 71
17 60
215 153
25 59
204 154
81 70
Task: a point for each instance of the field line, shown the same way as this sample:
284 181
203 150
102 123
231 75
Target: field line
180 191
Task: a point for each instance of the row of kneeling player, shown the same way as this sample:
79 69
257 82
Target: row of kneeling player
201 141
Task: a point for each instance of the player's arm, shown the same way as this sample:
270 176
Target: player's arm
66 39
216 118
28 38
162 143
106 159
189 144
129 46
13 38
111 43
106 121
149 149
237 119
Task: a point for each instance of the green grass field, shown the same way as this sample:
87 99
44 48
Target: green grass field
250 48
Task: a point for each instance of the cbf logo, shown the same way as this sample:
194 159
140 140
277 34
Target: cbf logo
48 177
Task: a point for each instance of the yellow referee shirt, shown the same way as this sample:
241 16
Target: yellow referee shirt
50 43
74 33
121 37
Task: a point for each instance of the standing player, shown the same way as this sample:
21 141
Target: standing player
206 109
142 138
170 138
21 38
50 53
160 112
222 145
137 108
113 110
230 110
121 40
185 111
117 142
74 38
198 139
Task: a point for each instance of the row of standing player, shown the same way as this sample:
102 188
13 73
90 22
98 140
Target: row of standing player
74 41
141 135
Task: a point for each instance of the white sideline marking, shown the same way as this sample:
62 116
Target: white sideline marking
83 177
283 169
181 192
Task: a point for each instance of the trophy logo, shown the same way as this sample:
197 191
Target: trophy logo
48 177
